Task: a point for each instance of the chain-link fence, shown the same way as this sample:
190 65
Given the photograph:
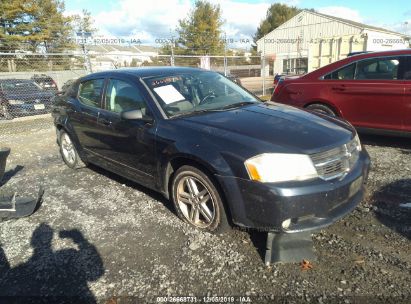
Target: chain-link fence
28 82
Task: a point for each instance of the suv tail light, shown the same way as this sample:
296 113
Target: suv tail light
278 86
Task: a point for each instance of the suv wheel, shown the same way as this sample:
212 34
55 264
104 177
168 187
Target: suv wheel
197 200
323 109
68 151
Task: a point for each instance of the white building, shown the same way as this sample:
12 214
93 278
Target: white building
108 56
311 40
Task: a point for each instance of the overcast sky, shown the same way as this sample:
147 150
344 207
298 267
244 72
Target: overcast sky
149 20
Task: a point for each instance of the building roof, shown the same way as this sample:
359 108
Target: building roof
114 48
146 48
354 23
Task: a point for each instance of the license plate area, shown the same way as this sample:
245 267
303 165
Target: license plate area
355 187
39 107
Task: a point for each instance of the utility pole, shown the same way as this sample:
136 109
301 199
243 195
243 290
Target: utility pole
85 52
172 60
225 54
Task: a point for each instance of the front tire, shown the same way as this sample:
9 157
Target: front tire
68 151
197 200
323 109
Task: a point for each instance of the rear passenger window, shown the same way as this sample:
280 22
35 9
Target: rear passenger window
90 92
345 73
378 69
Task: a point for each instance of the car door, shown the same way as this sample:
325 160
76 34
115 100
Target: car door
406 76
128 144
84 114
369 93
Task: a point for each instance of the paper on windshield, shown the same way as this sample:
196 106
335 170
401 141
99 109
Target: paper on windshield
169 94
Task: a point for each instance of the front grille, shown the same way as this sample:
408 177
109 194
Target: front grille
337 162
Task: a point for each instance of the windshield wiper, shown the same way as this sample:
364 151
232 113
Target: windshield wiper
237 105
195 112
231 106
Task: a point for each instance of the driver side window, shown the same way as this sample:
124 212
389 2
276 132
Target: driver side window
122 96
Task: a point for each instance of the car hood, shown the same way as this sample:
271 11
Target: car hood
294 130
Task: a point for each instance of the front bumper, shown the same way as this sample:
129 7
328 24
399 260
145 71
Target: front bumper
309 205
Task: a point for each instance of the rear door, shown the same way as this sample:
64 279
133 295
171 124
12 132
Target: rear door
370 92
128 144
84 117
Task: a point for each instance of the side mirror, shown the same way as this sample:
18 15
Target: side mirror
131 115
135 115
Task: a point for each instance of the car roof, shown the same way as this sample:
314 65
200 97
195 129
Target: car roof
14 80
383 53
143 72
340 63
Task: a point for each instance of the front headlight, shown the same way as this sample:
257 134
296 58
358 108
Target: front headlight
280 167
16 102
357 142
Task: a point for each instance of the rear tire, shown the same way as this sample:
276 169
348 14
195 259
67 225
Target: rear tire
68 152
323 109
197 200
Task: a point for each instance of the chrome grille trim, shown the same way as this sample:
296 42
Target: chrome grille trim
336 162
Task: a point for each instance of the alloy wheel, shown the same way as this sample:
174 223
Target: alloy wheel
68 149
195 202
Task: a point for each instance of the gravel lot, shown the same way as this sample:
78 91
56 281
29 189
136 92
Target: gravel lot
100 236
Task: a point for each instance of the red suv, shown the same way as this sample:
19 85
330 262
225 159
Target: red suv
372 91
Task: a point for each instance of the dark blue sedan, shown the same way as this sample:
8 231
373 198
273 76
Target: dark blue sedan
216 151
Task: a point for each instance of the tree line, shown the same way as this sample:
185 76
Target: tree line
34 25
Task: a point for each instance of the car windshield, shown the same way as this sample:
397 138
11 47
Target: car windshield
13 87
200 91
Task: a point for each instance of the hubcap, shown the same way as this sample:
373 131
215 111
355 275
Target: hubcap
195 202
68 149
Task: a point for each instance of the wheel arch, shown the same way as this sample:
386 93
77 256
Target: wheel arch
177 162
324 103
63 127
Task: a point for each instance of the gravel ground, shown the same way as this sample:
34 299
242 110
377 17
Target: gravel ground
101 237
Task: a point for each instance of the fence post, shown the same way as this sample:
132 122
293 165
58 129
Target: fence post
172 60
263 67
225 54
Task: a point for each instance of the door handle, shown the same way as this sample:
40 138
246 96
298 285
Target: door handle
104 121
338 88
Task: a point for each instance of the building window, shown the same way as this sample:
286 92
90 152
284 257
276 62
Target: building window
295 66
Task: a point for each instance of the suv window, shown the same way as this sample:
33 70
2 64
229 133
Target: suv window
378 68
406 69
90 92
345 73
123 96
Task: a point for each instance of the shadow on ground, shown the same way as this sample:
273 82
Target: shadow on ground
55 276
121 180
389 201
386 141
9 174
258 238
